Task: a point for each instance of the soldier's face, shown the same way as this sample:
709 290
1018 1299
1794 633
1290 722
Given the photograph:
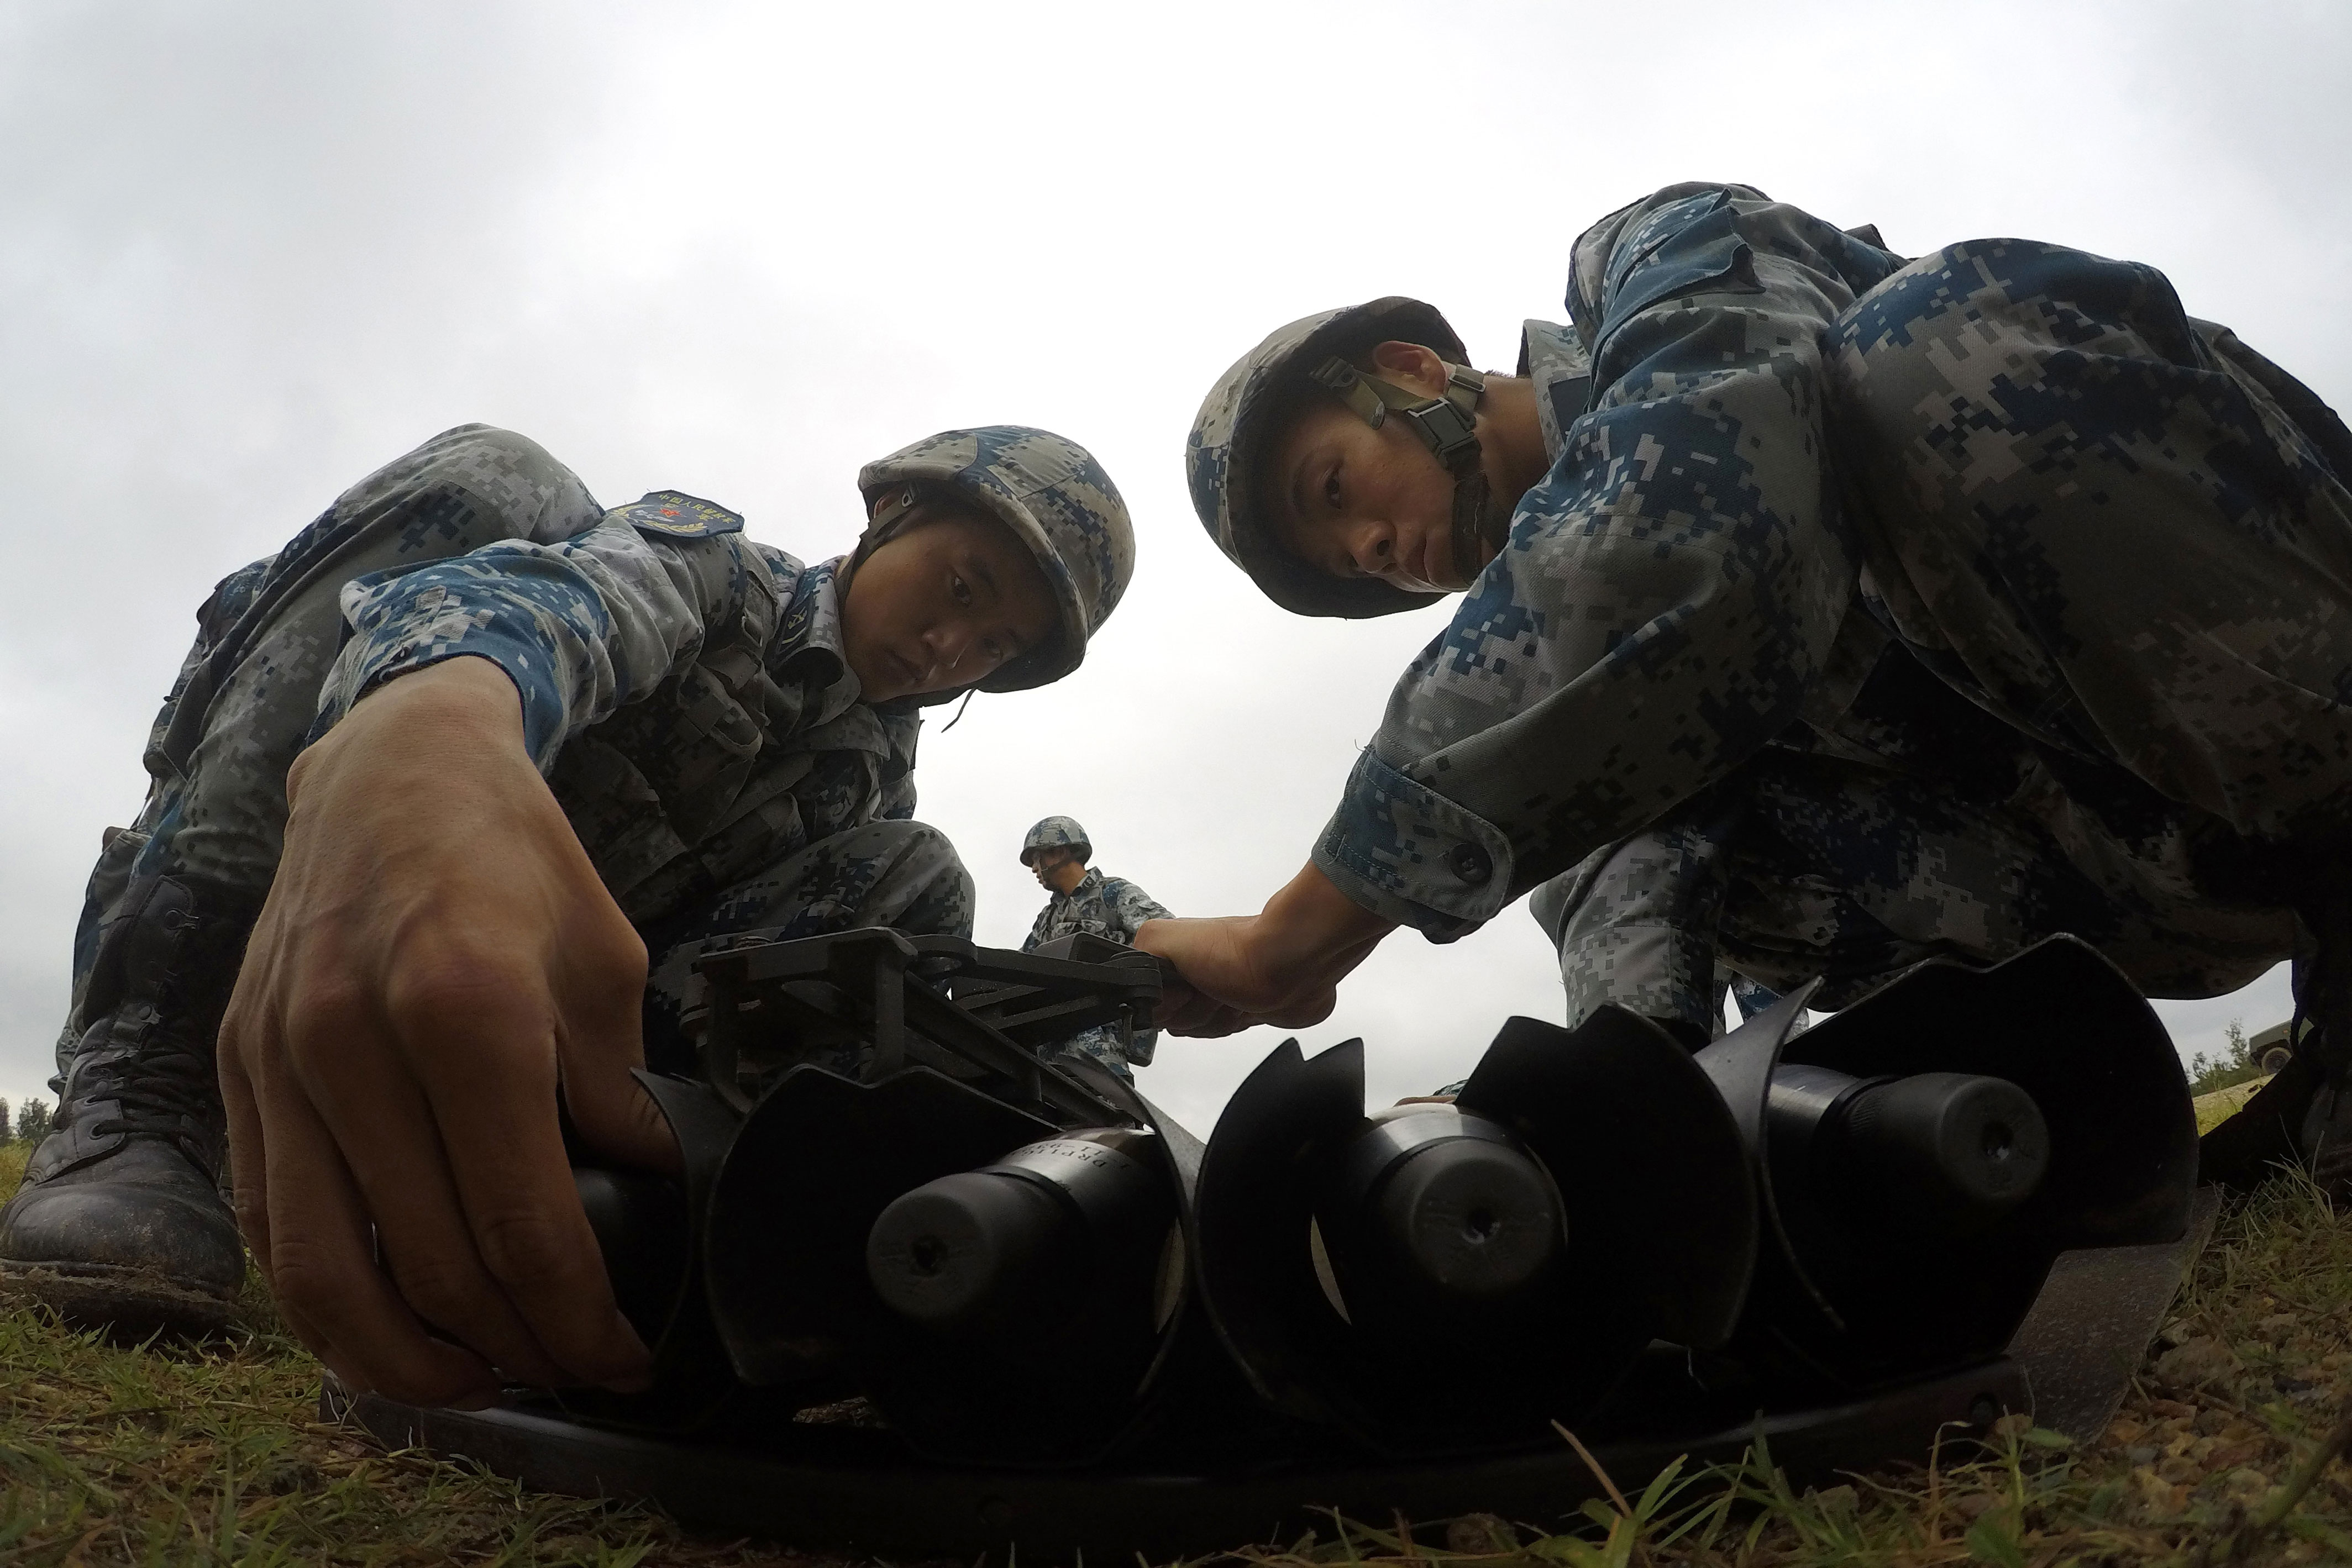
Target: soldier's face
1057 868
942 604
1353 501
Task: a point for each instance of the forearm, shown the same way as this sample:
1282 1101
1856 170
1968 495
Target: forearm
1309 927
1280 965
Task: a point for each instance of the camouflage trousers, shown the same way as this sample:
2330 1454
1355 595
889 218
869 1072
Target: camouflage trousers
1802 867
2127 538
1118 1058
246 696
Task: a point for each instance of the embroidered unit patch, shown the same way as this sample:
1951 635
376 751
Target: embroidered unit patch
681 515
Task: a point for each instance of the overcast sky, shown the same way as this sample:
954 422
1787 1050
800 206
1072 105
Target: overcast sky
250 252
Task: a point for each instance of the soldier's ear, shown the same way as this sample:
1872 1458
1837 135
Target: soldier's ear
1410 365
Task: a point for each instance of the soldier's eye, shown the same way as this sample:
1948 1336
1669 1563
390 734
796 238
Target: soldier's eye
992 650
959 588
1331 489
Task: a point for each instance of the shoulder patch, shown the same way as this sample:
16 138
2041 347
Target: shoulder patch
677 515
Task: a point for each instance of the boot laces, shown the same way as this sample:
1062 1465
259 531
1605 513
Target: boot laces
166 1091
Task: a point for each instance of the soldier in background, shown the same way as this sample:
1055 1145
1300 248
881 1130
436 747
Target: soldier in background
1825 612
1084 900
480 767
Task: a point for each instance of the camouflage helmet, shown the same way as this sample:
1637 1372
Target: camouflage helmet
1055 497
1054 833
1224 458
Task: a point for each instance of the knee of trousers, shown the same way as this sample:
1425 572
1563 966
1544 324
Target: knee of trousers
516 479
932 887
1966 319
478 443
1551 902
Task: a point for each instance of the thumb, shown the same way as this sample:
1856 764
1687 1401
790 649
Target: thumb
1177 997
600 1043
623 1122
614 1113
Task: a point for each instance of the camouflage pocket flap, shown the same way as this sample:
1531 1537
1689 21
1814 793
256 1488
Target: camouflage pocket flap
857 730
706 711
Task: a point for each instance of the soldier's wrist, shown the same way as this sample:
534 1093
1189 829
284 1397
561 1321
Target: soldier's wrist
467 690
1313 934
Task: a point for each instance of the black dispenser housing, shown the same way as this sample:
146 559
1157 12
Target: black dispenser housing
1924 1155
1440 1278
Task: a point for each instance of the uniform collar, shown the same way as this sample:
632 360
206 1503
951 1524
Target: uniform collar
808 646
1090 882
1553 356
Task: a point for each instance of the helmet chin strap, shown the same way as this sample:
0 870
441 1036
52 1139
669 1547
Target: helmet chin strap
1448 426
889 512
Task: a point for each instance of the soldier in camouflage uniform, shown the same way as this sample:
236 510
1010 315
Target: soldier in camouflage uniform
1825 612
719 736
1084 900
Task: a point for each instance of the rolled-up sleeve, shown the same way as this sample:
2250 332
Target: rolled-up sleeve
1668 591
582 627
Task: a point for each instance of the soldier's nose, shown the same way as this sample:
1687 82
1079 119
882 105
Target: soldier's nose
1373 548
941 646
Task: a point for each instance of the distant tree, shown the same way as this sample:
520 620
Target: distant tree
2236 1065
5 1124
33 1119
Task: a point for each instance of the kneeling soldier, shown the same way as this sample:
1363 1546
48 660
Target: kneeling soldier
1825 612
455 763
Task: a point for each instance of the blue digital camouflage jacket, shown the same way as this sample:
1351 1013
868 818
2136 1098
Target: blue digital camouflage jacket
684 690
1670 593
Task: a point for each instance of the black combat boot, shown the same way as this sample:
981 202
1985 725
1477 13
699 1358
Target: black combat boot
120 1220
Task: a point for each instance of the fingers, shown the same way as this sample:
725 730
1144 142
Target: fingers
343 1145
1302 1011
1216 1024
1196 1015
248 1179
242 1035
485 1063
323 1270
423 1240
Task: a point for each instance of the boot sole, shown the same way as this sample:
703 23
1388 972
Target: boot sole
126 1303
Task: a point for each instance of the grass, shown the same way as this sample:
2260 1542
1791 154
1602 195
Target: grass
215 1456
2212 1108
115 1455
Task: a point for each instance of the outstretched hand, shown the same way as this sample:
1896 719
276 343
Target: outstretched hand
436 961
1280 967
